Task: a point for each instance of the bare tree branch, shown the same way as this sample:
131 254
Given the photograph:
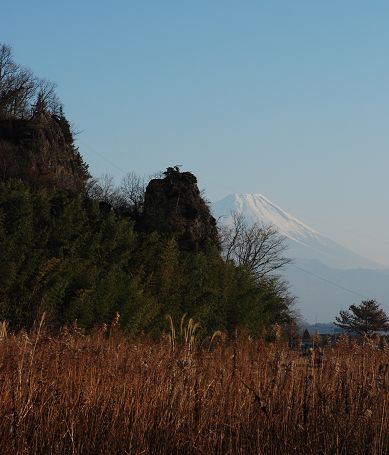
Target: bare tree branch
132 191
21 91
259 247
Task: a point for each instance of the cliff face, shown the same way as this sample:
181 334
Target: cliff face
173 205
40 152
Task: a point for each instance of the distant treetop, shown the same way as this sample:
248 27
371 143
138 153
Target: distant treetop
366 318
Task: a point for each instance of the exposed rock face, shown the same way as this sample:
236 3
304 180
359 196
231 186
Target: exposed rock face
40 152
173 205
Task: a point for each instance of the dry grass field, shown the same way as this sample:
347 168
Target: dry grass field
104 394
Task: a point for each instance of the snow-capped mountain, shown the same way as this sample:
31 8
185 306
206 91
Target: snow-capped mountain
304 242
325 276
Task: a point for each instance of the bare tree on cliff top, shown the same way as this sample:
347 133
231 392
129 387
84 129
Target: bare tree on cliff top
17 86
259 247
21 90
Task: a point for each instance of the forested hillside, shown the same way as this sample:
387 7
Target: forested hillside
78 254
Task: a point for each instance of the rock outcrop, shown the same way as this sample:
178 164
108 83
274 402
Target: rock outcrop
40 151
173 206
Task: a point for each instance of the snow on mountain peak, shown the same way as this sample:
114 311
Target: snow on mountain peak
304 242
258 208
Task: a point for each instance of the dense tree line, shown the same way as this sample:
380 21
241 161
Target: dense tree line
77 259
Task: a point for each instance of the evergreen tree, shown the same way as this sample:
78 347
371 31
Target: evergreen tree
366 318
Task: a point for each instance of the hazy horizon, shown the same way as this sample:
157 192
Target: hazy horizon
290 100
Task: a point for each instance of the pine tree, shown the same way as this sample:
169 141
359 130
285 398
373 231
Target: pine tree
366 318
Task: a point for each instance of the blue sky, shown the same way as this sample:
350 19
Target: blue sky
289 99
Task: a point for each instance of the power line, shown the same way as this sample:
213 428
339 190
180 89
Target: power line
93 150
339 286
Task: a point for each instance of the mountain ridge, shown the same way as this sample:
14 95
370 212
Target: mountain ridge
304 242
324 275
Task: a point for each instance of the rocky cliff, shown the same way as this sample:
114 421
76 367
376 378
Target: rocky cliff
173 205
40 151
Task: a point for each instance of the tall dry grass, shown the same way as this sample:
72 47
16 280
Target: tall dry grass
104 394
